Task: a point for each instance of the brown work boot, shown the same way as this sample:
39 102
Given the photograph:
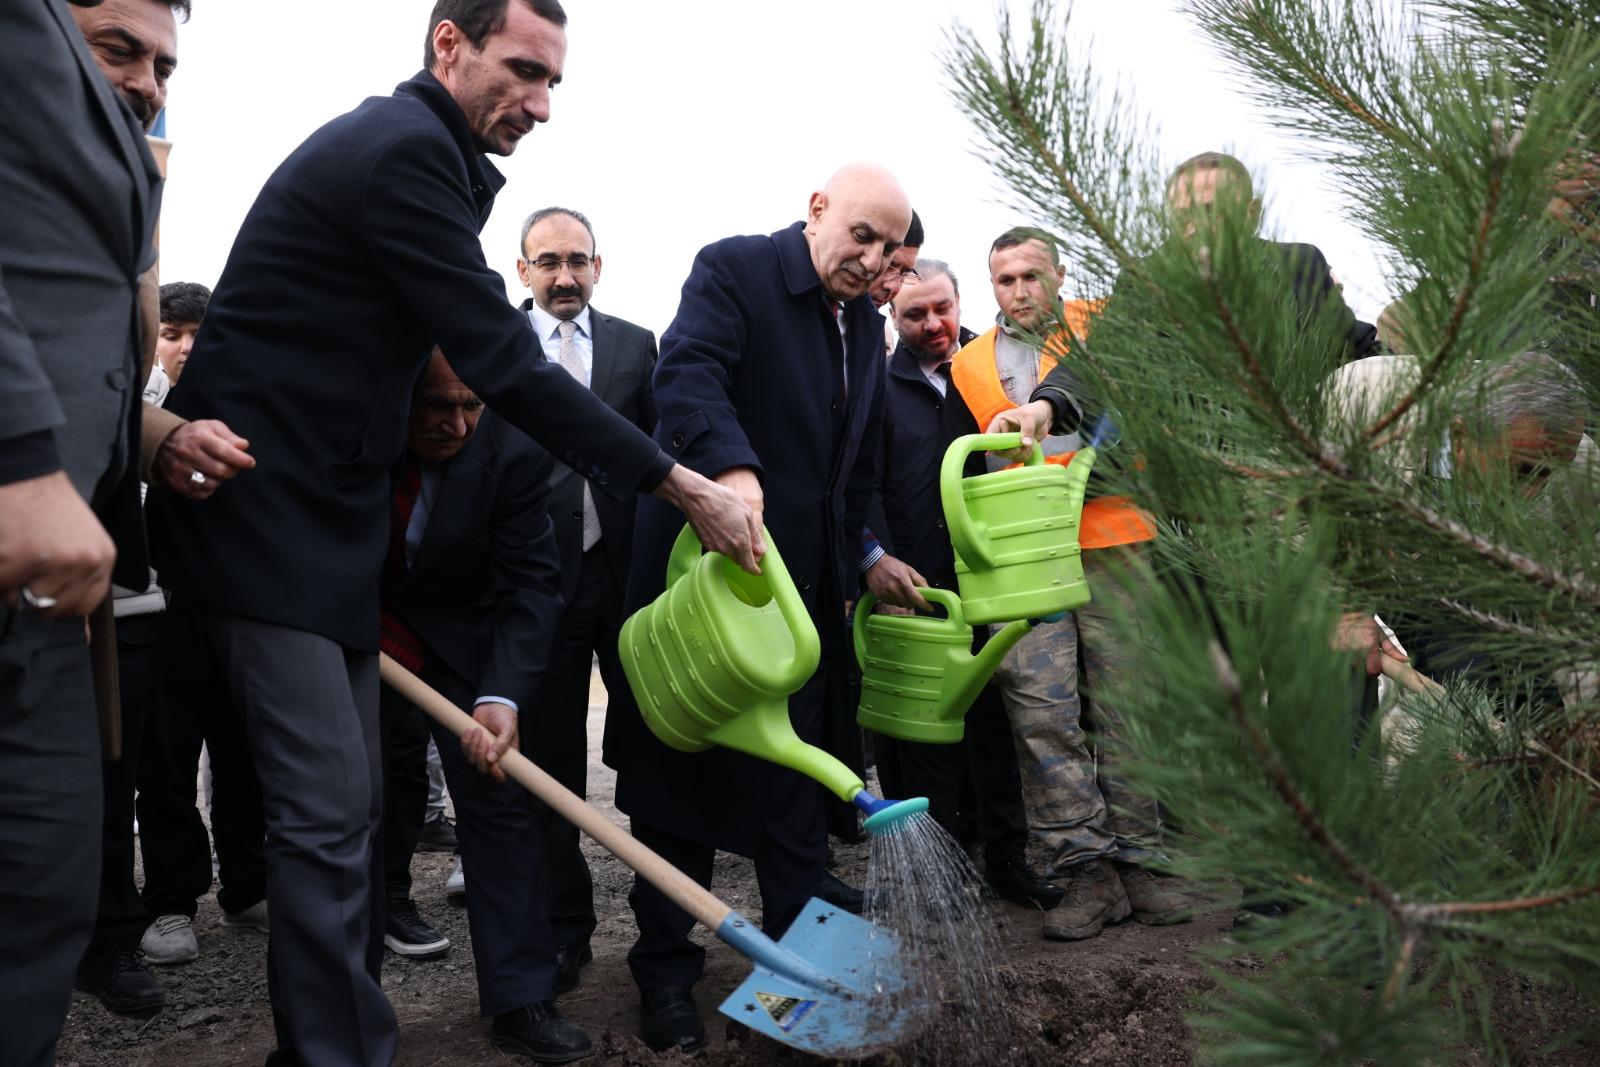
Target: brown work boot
1153 903
1094 898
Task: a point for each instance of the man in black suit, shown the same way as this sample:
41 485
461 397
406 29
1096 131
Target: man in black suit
80 191
360 253
560 264
471 602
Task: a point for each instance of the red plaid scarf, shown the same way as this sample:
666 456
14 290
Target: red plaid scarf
394 636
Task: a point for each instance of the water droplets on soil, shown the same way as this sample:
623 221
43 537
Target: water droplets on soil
922 886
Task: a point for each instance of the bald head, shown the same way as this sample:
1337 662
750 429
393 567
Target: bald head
854 224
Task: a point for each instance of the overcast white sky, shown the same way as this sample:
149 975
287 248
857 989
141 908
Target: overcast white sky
680 123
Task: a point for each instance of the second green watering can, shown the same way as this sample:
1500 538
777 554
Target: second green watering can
919 674
714 659
1015 531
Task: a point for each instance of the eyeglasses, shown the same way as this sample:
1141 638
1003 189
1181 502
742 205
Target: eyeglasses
551 266
904 274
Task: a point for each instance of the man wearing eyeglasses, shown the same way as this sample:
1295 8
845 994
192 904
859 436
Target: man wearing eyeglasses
559 263
902 267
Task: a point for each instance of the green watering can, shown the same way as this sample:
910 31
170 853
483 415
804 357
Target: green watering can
714 659
918 673
1015 531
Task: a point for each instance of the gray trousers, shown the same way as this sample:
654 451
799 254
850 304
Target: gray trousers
311 716
50 813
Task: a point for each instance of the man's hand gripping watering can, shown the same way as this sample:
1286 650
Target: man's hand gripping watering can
714 659
1015 531
831 986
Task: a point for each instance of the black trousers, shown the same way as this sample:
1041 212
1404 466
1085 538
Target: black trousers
122 917
507 894
974 788
194 706
557 736
50 811
311 716
405 788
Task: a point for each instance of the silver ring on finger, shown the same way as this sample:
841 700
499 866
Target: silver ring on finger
197 478
34 602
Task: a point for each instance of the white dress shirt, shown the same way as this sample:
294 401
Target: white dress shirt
548 329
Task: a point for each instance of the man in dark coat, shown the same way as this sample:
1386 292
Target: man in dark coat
561 265
770 380
359 255
471 603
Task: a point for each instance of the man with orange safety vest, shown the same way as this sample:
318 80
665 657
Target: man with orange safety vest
1098 831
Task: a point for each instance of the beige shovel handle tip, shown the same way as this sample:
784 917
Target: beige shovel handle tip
684 891
1408 676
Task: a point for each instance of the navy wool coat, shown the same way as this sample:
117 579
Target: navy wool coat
359 254
750 376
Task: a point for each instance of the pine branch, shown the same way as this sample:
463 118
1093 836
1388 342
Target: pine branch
1436 913
1458 314
1228 678
1264 392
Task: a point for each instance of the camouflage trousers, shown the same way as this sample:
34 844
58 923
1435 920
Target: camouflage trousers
1079 805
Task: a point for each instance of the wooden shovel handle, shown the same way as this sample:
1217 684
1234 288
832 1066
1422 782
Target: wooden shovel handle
1406 675
684 891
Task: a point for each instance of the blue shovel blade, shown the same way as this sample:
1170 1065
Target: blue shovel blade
843 996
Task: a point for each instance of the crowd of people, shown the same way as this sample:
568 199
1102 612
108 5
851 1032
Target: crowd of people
355 443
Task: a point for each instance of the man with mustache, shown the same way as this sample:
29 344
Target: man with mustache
472 602
360 254
921 419
771 381
560 264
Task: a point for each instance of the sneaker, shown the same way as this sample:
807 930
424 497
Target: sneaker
252 918
1152 902
123 984
170 939
407 935
1093 899
438 835
455 887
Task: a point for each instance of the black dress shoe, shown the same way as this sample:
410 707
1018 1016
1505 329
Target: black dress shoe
541 1033
1019 883
123 984
569 960
840 894
668 1019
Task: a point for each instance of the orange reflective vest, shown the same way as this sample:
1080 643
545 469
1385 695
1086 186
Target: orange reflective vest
1107 520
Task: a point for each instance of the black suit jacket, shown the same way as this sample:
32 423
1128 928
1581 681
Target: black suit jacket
918 426
484 589
360 254
79 193
624 359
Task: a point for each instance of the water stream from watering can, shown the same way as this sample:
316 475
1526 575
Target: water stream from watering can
922 886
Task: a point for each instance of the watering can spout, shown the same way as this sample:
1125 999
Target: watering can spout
987 660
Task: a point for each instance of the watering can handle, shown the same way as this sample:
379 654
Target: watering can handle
943 597
964 535
807 645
